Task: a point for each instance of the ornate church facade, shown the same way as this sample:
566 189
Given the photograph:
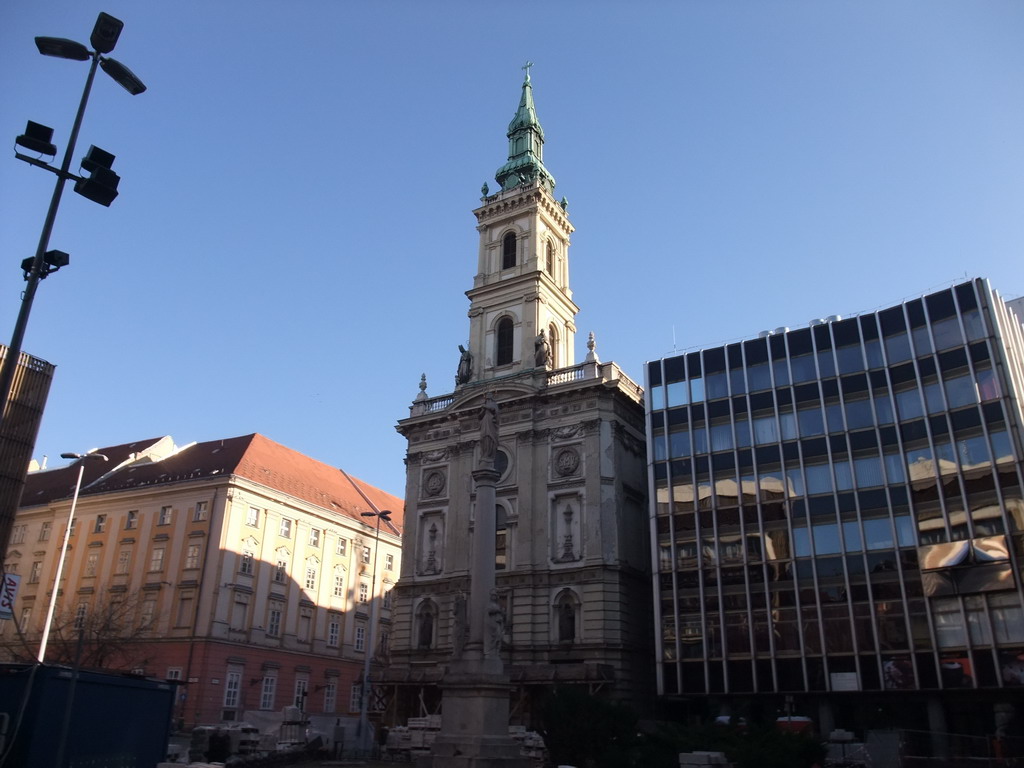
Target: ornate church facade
571 542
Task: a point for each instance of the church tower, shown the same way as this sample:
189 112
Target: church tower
568 509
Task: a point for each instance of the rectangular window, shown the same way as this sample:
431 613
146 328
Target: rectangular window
33 575
173 673
360 644
387 599
165 516
330 697
281 571
101 524
341 548
80 612
91 562
364 592
44 531
366 555
333 633
311 577
269 692
286 528
124 559
252 517
156 560
389 562
301 690
26 618
131 520
192 558
355 699
240 614
339 582
274 622
314 537
147 613
184 618
200 514
232 684
18 534
245 565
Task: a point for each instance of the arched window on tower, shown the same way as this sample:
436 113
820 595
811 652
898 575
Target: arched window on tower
565 617
503 345
508 251
551 259
553 344
500 538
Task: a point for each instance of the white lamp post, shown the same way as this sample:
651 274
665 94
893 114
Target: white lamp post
364 722
64 546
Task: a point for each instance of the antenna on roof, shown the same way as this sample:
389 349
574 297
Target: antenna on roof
673 339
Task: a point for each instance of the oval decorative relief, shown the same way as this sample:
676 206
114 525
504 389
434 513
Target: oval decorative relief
567 461
434 483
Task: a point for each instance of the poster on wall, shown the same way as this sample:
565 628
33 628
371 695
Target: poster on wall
898 673
1011 667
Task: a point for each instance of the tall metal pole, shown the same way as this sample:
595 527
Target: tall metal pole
60 568
364 709
10 364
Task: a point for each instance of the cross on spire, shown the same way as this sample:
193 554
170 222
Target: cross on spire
527 68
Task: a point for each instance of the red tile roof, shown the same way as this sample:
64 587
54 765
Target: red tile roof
253 457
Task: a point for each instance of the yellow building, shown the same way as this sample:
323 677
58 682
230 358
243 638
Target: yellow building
245 570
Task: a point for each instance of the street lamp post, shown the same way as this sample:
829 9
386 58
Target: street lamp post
100 186
364 721
64 547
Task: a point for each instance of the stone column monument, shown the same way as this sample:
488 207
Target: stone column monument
475 689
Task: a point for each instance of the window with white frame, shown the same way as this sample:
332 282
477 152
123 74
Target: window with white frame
274 621
355 699
11 567
199 515
364 592
91 561
339 581
330 697
192 556
245 565
80 613
360 644
341 548
232 685
252 517
281 569
301 691
124 560
173 673
18 534
269 690
131 519
44 531
101 524
34 574
165 516
26 617
314 537
389 562
387 598
147 612
366 555
156 560
286 528
333 633
311 569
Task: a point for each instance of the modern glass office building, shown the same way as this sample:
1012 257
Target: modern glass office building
838 521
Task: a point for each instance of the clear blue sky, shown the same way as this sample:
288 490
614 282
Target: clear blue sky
293 238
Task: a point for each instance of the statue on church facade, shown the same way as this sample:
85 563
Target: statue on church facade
465 369
488 433
495 626
542 351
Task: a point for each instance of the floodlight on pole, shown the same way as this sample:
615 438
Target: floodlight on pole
81 457
100 186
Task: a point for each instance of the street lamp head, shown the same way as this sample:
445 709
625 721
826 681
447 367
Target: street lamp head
84 456
105 33
123 76
62 48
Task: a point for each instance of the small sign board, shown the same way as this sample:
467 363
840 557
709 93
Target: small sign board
8 592
845 681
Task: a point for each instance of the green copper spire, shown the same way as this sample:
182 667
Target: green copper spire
525 144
